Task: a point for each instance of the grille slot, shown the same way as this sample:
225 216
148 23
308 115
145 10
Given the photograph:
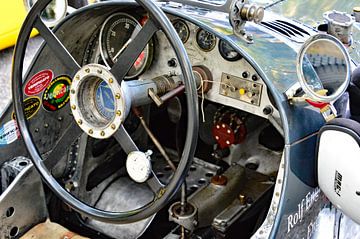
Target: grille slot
287 29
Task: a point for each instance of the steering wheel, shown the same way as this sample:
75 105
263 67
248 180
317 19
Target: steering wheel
81 75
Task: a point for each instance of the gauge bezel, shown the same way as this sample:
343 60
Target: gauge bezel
238 57
102 44
186 26
197 40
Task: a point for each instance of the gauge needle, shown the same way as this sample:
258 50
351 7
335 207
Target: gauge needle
122 49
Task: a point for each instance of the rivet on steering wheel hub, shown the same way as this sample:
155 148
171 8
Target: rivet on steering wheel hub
97 101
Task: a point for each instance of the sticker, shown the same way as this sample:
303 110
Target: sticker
38 82
337 183
105 101
56 95
9 133
31 106
303 208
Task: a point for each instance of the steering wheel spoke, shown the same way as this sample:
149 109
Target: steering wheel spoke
134 48
155 185
125 141
56 46
71 133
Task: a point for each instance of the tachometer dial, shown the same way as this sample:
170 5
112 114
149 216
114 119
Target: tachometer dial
205 40
228 52
182 29
116 34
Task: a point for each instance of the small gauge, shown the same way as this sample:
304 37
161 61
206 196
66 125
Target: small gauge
228 52
116 34
138 166
205 40
182 29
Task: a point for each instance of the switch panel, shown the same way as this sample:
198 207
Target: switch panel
241 89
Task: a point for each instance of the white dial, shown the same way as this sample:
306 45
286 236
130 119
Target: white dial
138 166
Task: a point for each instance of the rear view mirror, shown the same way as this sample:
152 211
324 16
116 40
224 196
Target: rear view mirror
53 13
323 68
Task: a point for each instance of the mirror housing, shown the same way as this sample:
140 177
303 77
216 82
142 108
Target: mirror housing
53 13
323 68
338 164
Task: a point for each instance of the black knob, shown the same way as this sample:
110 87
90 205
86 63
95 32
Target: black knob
245 74
267 110
172 62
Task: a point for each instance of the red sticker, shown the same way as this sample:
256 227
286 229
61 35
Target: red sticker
38 82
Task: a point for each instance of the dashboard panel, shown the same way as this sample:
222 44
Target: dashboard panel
232 80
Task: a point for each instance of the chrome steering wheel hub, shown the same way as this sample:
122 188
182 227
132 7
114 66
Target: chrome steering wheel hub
97 101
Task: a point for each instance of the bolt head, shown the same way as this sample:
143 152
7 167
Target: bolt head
113 126
118 113
91 131
79 122
102 133
73 107
111 80
117 96
87 70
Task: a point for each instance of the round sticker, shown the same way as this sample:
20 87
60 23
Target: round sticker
31 106
38 82
56 95
105 101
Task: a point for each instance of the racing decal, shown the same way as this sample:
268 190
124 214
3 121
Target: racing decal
337 183
9 133
303 207
38 82
56 95
31 106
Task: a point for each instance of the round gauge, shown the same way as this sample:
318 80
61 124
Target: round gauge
205 40
228 52
138 166
116 34
182 29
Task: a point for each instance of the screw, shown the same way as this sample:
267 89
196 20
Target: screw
77 77
102 133
36 130
79 122
73 107
111 80
118 113
99 71
113 126
72 91
87 70
91 131
242 199
117 96
46 125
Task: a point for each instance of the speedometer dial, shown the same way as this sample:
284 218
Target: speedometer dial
205 40
117 32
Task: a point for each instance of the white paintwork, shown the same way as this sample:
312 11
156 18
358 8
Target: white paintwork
338 151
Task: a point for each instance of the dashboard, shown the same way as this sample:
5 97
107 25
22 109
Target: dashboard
227 77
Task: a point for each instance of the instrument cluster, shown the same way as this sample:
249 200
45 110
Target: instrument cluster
233 81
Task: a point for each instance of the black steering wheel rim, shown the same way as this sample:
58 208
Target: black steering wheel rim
192 128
